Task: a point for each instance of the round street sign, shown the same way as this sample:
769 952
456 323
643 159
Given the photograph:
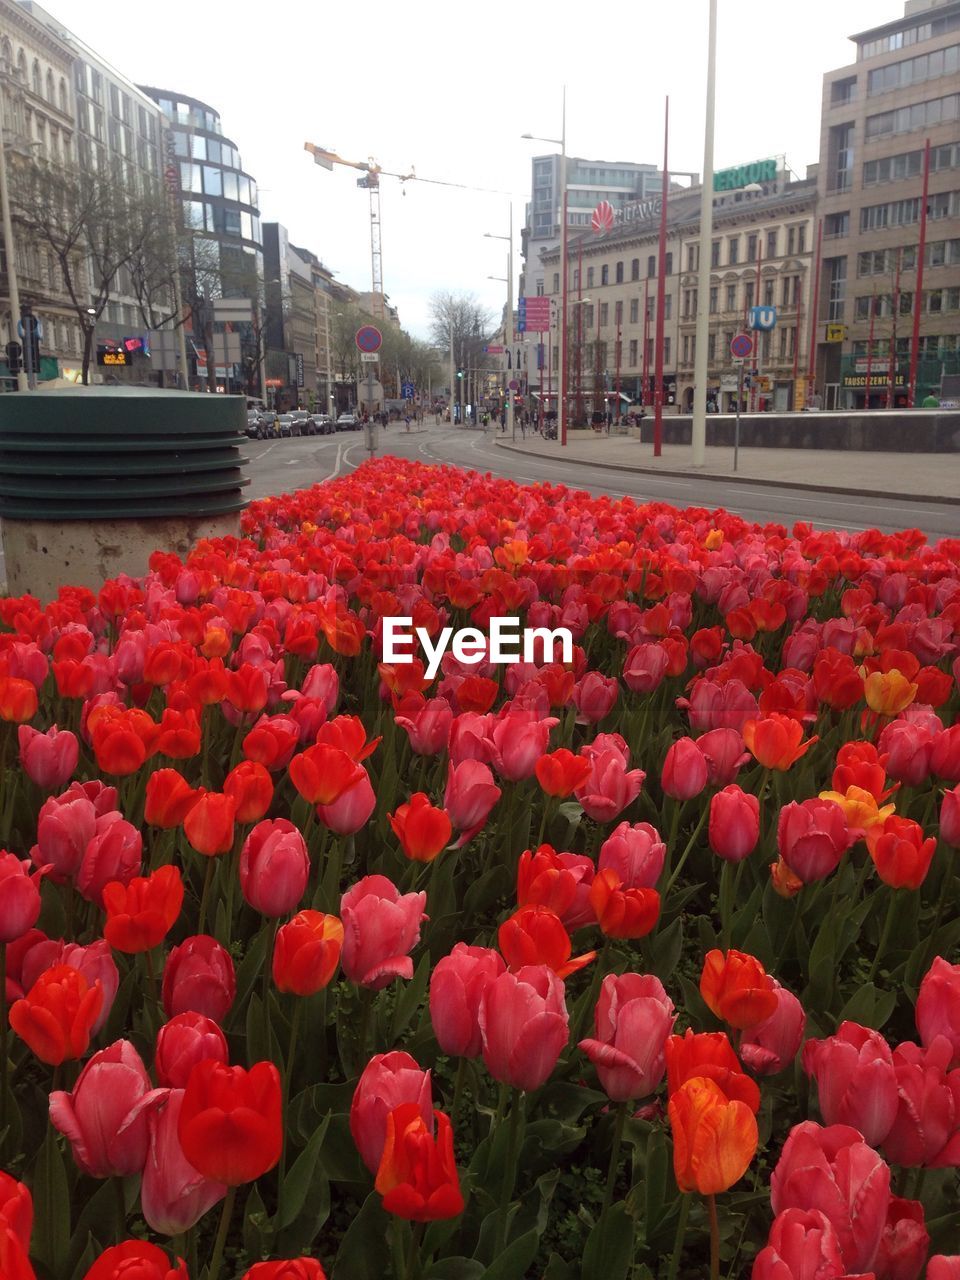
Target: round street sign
513 384
368 338
741 346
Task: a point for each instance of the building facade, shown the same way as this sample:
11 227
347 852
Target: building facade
878 113
762 255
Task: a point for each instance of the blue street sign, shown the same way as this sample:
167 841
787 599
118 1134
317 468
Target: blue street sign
407 390
522 315
763 318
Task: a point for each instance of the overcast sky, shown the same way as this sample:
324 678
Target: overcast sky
449 87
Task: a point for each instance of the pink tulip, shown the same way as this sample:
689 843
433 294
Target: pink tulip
184 1041
802 1246
719 706
945 754
734 826
429 728
610 787
274 867
856 1082
457 984
684 773
95 961
107 1137
771 1045
926 1130
636 853
595 696
517 742
950 817
199 978
322 682
470 737
65 827
938 1006
644 667
904 1244
470 795
832 1169
633 1017
19 897
49 759
523 1025
114 853
724 752
381 926
173 1196
388 1080
940 1267
908 748
351 809
812 837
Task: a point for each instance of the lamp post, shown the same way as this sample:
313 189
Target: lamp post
562 361
699 425
508 323
10 251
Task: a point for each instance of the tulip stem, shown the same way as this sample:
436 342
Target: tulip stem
4 1065
213 1270
207 882
714 1238
292 1048
686 853
679 1238
457 1091
885 935
941 903
121 1204
509 1172
614 1157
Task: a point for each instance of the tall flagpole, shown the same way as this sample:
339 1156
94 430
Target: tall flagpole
661 292
699 426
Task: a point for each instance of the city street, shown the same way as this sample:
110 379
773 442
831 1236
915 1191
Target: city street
283 465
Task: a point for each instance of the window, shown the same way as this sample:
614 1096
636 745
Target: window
619 273
212 181
35 79
791 240
634 344
198 147
666 351
691 257
715 254
686 349
651 265
748 295
752 247
556 282
714 291
668 264
64 107
605 274
635 269
772 238
589 277
604 314
618 313
733 250
49 86
843 91
928 66
576 278
840 157
768 288
586 321
802 238
711 347
837 288
634 310
668 306
918 116
731 304
836 225
191 177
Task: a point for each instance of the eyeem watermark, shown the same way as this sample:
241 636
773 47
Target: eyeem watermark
506 642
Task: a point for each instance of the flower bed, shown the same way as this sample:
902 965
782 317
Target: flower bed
638 966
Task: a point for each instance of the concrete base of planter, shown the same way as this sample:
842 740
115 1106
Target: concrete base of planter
43 555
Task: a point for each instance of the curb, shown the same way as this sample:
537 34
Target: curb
755 480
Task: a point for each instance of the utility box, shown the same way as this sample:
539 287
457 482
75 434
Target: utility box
94 479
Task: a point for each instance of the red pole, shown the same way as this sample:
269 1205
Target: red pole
661 293
918 296
619 344
579 379
540 405
796 340
563 329
756 334
893 337
646 342
597 394
815 308
873 312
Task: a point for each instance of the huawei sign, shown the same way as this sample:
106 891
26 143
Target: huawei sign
602 219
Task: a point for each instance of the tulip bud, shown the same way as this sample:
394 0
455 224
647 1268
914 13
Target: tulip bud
99 1117
684 773
457 984
307 952
938 1005
49 759
184 1041
19 898
199 977
387 1081
381 926
734 826
633 1018
274 867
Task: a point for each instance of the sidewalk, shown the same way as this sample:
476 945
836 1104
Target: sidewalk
925 477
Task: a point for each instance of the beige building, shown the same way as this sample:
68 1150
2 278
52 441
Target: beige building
762 254
878 113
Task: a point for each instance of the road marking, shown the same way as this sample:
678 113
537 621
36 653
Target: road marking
258 456
336 469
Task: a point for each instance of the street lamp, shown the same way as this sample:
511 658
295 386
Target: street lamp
698 430
562 362
508 323
580 302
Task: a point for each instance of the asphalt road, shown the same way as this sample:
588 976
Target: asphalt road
282 465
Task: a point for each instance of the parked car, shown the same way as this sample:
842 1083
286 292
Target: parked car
268 425
299 425
324 424
285 425
347 422
254 430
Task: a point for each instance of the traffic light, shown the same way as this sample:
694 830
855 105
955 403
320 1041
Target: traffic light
14 358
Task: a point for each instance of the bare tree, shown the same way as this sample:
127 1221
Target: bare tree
94 225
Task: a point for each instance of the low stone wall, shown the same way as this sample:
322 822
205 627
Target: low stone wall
899 431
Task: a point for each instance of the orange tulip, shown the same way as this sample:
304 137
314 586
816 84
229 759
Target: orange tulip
307 952
252 787
422 829
169 799
536 935
900 853
783 880
860 807
561 772
56 1015
888 692
322 773
737 988
714 1139
417 1176
141 913
623 912
711 1055
209 824
18 700
775 740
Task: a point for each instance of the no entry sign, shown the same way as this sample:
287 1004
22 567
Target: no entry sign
369 338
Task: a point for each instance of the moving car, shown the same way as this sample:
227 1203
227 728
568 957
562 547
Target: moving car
347 422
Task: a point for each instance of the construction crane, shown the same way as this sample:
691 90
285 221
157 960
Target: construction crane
372 173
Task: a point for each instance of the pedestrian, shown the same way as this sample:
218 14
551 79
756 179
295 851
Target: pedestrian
407 421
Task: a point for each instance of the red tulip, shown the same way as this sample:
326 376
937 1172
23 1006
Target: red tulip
812 837
561 772
457 984
636 853
802 1246
427 727
198 977
49 759
709 1055
14 1263
734 826
908 749
173 1195
16 1209
926 1129
940 1267
184 1041
900 854
938 1006
274 867
169 798
19 898
210 822
114 853
18 699
770 1046
905 1242
645 667
950 817
387 1081
307 952
610 787
230 1127
107 1133
470 795
141 914
834 1170
56 1015
724 754
523 1026
251 787
65 826
633 1018
945 754
322 773
595 696
351 809
138 1260
684 773
423 830
417 1176
775 741
560 881
272 741
621 911
381 926
518 741
856 1081
289 1269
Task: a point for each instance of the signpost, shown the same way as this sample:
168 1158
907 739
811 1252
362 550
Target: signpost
740 348
533 314
369 340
